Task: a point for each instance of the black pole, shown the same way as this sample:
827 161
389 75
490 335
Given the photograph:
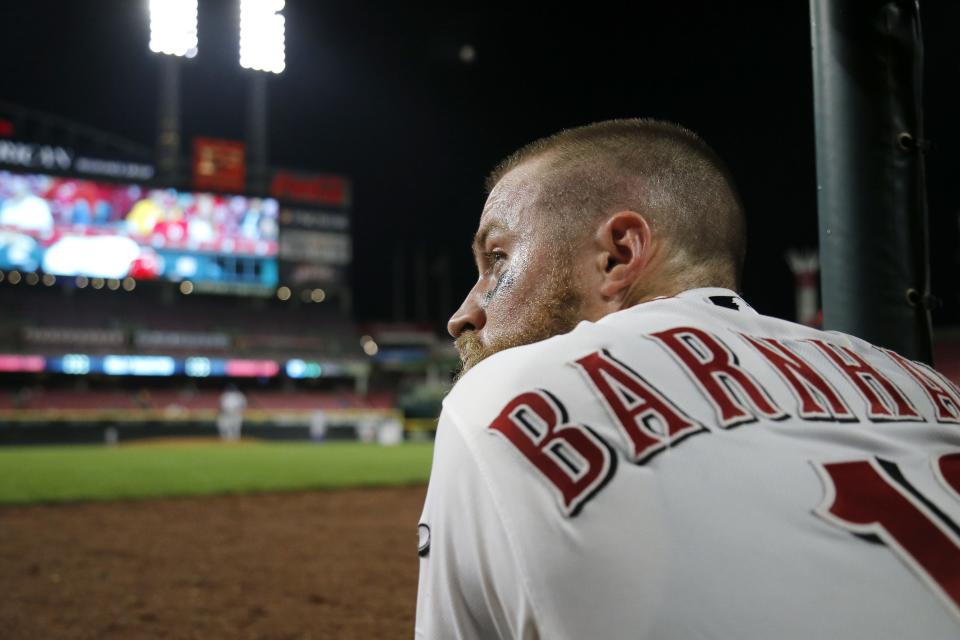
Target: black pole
257 133
168 129
871 192
399 285
421 285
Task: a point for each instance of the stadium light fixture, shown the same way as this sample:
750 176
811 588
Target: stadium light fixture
262 35
173 27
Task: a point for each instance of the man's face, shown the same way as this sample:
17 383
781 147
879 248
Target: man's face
528 286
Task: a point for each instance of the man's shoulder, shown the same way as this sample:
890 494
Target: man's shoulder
526 364
551 363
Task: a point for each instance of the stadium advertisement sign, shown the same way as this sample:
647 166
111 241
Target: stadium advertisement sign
15 363
113 168
319 189
35 156
80 364
315 247
44 157
70 227
314 220
219 165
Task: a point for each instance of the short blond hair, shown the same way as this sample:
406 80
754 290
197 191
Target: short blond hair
659 169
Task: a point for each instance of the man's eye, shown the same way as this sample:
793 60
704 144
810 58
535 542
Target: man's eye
493 257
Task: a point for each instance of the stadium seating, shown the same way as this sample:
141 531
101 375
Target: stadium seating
37 398
244 327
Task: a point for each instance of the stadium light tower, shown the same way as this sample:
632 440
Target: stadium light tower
262 50
173 33
262 35
173 27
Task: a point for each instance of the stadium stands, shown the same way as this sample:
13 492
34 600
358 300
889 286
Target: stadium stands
43 320
79 363
39 398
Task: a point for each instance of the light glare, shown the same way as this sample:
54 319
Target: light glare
262 35
173 27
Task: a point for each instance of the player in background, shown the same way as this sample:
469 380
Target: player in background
633 452
230 419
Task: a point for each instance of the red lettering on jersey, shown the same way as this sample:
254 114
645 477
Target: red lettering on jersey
647 419
872 497
884 400
736 396
572 458
947 470
816 398
944 400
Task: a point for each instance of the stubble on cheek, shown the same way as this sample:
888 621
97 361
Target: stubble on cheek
553 310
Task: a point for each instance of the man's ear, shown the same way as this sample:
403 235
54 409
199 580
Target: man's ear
626 248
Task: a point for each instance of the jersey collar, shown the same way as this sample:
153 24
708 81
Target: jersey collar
718 297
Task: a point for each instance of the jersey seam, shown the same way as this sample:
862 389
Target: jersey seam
505 522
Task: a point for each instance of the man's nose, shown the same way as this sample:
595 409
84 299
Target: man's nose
469 317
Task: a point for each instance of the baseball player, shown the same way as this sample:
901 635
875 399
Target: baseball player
634 452
230 418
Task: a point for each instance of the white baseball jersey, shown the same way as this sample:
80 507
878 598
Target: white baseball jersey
688 468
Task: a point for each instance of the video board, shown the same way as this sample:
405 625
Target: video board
72 227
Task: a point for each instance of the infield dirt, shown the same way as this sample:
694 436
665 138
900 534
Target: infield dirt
325 564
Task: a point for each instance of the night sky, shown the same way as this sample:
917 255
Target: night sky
377 91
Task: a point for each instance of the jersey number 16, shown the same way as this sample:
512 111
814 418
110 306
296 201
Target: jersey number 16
872 499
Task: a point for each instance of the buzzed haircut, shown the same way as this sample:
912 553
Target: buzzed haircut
658 169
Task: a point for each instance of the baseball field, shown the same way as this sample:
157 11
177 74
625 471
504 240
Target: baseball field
201 539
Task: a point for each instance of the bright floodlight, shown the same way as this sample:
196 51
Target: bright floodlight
173 27
262 35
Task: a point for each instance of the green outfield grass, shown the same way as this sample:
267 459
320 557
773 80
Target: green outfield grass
56 474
